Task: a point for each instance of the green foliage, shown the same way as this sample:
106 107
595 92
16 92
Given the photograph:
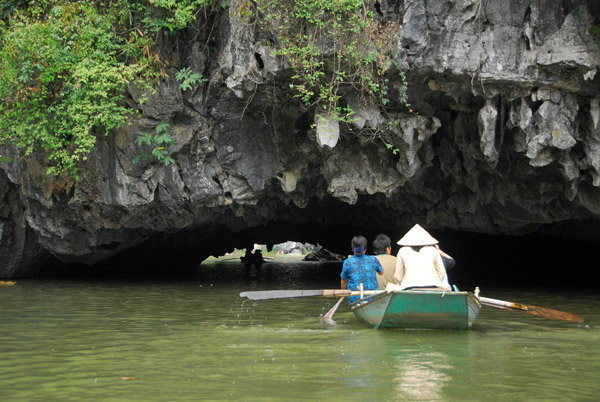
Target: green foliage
156 15
65 67
594 29
61 83
346 32
392 148
8 8
170 14
595 32
188 80
160 142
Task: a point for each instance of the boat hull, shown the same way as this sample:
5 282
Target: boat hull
418 309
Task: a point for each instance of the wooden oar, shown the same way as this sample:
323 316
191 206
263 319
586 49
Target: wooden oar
534 310
290 294
332 311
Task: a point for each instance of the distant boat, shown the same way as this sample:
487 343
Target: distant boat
418 309
252 259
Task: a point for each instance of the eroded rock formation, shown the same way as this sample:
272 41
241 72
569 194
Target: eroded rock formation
504 139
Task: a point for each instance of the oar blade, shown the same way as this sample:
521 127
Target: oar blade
555 314
533 310
332 311
280 294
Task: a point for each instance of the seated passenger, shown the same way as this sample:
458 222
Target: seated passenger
382 248
419 263
360 268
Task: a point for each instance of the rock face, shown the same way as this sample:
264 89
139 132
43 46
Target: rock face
504 139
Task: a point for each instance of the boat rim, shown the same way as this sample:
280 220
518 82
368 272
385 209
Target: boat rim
368 299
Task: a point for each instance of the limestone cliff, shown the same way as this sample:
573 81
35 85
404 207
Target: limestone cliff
504 138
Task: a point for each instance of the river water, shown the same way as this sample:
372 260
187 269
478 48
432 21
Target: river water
194 339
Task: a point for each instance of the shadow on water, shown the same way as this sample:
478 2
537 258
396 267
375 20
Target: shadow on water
278 274
273 274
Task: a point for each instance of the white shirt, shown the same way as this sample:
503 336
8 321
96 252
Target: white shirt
420 268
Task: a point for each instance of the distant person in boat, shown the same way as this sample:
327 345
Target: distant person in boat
253 256
419 264
382 248
360 268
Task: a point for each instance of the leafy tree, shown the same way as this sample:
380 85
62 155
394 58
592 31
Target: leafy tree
61 81
65 67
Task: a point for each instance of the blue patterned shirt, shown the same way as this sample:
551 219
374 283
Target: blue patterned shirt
361 269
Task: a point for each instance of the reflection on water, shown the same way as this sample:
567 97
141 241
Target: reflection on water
419 375
194 339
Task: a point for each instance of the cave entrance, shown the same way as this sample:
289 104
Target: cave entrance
288 248
490 261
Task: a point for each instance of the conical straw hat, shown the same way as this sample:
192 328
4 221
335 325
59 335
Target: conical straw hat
417 236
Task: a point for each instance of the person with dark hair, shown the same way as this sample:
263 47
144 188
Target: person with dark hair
382 248
360 268
419 263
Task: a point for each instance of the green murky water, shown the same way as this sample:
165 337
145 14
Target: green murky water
193 339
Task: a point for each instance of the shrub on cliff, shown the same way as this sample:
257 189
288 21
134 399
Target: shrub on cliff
65 67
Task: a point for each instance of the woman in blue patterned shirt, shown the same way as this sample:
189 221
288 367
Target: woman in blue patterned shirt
360 268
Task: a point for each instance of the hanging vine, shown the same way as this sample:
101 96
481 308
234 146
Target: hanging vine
332 46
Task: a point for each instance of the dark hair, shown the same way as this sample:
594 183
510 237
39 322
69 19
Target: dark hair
358 241
380 243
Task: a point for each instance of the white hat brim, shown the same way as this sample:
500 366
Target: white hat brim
417 236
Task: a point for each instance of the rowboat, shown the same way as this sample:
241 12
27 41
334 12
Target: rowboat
418 309
414 309
252 260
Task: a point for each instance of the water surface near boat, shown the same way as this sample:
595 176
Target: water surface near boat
193 338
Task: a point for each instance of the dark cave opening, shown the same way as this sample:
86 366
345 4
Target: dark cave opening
533 261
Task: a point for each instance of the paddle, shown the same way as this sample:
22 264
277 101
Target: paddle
332 311
534 310
290 294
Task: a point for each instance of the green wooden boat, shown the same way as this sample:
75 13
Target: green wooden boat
418 309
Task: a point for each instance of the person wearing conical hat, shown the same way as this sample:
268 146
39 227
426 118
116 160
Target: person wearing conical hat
419 263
